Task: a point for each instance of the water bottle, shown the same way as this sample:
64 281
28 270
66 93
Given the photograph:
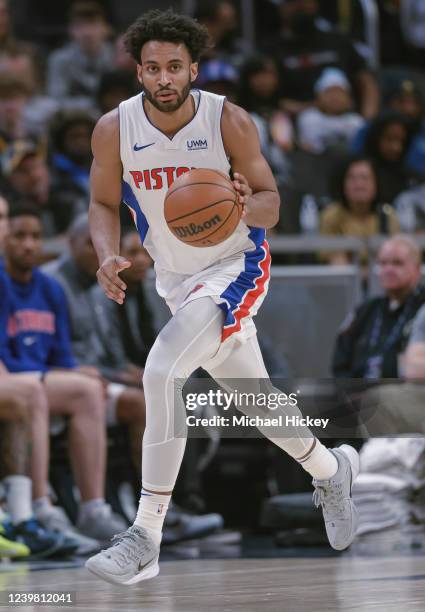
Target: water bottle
309 215
406 213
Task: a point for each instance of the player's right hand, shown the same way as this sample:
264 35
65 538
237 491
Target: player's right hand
109 280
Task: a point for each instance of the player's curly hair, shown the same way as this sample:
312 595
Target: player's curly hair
167 26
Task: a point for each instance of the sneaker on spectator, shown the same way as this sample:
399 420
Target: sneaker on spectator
11 549
55 519
102 524
42 543
180 526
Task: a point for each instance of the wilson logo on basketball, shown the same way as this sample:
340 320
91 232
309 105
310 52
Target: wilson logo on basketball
182 231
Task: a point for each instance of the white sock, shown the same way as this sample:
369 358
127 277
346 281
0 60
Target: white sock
18 498
151 513
41 505
88 508
319 462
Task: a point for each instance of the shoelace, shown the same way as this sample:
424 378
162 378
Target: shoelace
331 498
126 542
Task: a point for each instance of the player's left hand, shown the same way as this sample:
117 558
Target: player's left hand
243 190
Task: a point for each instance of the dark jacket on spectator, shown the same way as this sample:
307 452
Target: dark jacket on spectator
94 342
371 340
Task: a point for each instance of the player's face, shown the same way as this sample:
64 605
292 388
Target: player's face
166 73
398 268
23 243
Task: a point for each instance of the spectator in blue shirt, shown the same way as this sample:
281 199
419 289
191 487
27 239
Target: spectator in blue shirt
36 339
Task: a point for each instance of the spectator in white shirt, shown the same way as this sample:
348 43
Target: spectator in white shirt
332 121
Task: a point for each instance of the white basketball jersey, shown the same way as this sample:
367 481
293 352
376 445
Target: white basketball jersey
152 161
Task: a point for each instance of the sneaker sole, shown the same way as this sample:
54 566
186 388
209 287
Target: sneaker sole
147 573
13 554
46 553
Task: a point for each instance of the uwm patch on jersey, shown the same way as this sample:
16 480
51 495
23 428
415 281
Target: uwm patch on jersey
157 178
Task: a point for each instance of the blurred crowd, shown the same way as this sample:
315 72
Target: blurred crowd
318 91
342 125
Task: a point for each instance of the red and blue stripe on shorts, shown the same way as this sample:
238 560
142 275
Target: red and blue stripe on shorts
242 294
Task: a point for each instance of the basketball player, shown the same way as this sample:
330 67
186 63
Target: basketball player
212 292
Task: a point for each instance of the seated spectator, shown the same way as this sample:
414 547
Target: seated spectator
305 49
36 339
331 122
358 211
14 95
134 319
259 93
387 143
370 342
259 87
408 100
28 177
70 135
114 88
30 395
221 20
98 349
219 77
24 64
75 70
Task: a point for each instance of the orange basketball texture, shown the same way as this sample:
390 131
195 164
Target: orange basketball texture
201 207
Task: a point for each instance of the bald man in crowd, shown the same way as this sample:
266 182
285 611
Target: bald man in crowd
372 340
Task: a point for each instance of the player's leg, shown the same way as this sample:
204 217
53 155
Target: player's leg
82 399
34 392
23 448
333 470
15 450
192 337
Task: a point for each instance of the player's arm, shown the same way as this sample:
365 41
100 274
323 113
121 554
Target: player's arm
254 180
105 199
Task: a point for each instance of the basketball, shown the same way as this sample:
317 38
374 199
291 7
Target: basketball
201 207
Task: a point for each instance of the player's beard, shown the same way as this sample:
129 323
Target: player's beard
168 107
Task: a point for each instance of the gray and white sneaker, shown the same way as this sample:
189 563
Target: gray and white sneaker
102 524
55 519
132 557
334 495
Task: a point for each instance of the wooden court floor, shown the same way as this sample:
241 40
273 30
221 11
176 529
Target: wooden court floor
250 585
